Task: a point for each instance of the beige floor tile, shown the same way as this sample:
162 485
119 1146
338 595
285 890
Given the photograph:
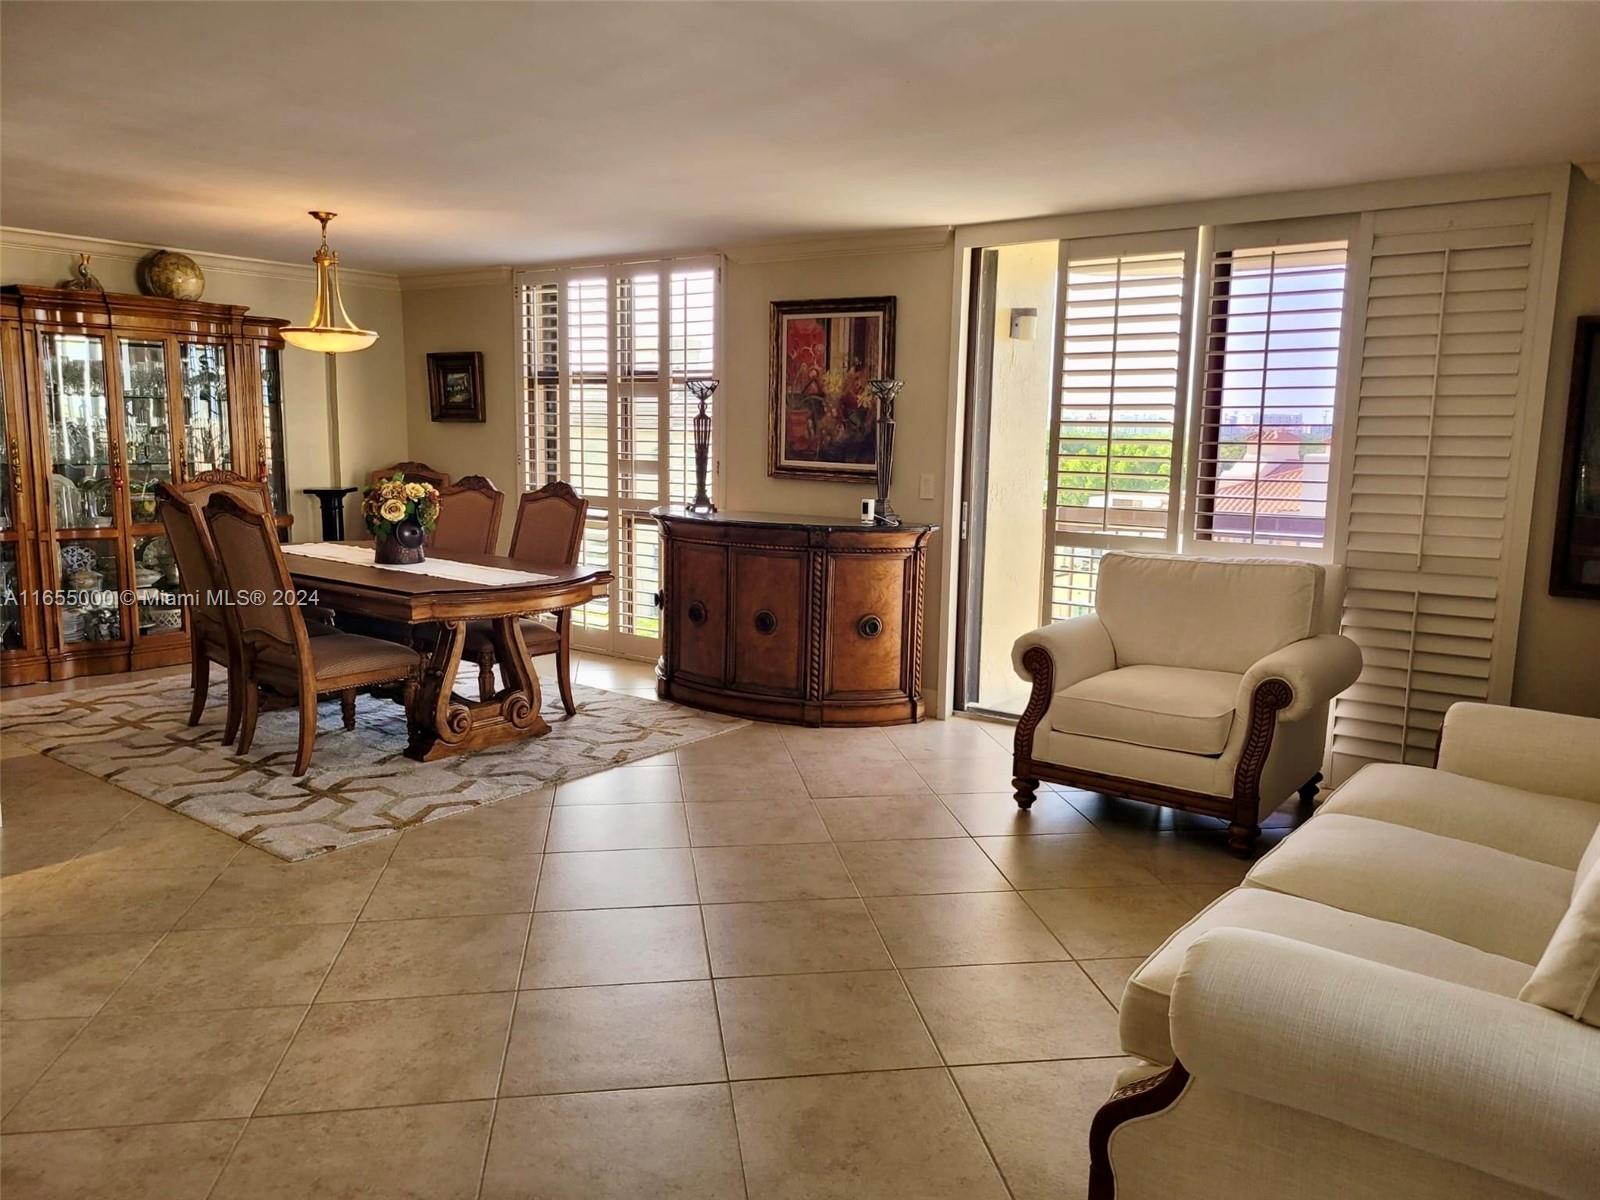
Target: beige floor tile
805 872
616 879
1185 857
433 956
649 783
989 772
92 899
792 936
754 823
141 1162
1110 975
656 1144
1013 1012
1110 922
1063 860
428 1152
739 747
26 1049
66 976
617 827
816 1024
749 780
324 891
423 1050
921 867
259 967
808 745
41 848
1199 895
955 738
962 928
891 1134
153 837
995 814
614 945
509 829
40 790
1011 1103
453 887
828 776
880 818
139 1068
605 1038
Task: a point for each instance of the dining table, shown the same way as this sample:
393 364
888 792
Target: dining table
446 594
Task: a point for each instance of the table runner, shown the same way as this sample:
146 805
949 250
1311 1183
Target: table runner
440 568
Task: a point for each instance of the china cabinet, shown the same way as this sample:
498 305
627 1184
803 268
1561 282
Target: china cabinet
102 396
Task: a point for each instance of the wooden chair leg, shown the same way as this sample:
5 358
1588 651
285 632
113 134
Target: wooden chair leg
564 662
199 680
1309 790
347 707
308 733
249 702
230 727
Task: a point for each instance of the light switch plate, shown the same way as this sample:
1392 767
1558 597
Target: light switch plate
926 490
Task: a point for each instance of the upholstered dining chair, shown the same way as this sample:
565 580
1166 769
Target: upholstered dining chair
413 472
549 532
274 647
469 517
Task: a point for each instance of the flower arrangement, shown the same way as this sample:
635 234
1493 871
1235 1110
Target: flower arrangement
393 501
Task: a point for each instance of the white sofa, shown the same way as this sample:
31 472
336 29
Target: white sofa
1375 1011
1197 683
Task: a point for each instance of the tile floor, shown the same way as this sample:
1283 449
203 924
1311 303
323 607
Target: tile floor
779 963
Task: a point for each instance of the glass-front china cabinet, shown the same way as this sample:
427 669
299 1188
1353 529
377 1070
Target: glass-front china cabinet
105 396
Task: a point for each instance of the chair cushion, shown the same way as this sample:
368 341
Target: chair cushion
1165 708
1212 614
1145 1003
1469 893
351 654
1548 829
1567 977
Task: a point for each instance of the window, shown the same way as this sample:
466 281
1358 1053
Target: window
607 352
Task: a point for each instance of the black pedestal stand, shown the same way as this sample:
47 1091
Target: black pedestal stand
332 499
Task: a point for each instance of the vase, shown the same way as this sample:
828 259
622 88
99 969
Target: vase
884 392
401 546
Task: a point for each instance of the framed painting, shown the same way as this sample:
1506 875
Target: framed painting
455 386
1575 561
822 414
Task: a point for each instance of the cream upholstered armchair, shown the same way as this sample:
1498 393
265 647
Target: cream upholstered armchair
1197 683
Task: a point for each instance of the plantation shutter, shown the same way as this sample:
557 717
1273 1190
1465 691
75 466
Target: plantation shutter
1437 482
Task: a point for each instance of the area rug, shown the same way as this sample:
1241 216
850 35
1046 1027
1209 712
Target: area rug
360 786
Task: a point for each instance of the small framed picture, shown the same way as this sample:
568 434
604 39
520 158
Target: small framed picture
455 386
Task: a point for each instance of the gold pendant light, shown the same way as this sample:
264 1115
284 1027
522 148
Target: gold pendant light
330 328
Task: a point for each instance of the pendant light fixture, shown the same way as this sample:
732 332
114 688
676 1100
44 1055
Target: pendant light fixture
330 328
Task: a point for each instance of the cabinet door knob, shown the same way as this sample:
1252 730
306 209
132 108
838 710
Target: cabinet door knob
766 623
870 626
697 613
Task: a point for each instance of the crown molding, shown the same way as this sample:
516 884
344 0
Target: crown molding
422 281
891 241
220 264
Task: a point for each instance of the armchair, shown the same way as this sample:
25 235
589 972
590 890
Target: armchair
1200 684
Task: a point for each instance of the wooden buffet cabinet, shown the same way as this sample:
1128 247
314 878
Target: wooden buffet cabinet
101 397
789 618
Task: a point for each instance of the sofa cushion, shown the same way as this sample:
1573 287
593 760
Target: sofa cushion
1550 829
1145 1002
1165 708
1212 614
1567 977
1474 894
1589 862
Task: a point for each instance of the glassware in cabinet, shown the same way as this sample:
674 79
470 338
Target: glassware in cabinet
85 461
207 440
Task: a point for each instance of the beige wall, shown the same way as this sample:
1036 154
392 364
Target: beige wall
1558 651
371 385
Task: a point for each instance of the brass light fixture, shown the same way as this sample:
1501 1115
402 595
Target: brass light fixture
330 328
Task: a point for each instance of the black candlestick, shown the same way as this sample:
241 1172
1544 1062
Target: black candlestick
884 392
701 390
332 499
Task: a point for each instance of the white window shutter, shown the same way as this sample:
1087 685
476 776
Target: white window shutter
1443 410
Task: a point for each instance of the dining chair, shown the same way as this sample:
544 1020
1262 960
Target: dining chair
210 633
548 532
274 648
469 517
413 472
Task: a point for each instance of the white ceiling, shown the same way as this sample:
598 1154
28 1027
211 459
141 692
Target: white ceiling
462 134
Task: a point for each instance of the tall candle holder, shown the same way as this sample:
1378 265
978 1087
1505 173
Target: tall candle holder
702 390
884 392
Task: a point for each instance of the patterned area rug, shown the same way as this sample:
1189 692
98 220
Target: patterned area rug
360 785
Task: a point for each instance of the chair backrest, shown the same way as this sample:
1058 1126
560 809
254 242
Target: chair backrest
1212 614
549 526
198 573
263 605
206 484
413 472
469 516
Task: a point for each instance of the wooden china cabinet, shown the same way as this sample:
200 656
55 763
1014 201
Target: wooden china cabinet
105 395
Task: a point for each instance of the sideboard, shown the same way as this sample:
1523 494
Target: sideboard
808 620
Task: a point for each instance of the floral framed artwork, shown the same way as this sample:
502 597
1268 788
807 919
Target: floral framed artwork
455 386
822 415
1575 561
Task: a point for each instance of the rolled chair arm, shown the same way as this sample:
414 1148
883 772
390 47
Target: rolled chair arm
1552 753
1079 648
1496 1084
1316 669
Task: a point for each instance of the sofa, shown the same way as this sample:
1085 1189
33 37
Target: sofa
1402 999
1197 683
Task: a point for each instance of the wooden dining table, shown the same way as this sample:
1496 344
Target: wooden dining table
441 722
